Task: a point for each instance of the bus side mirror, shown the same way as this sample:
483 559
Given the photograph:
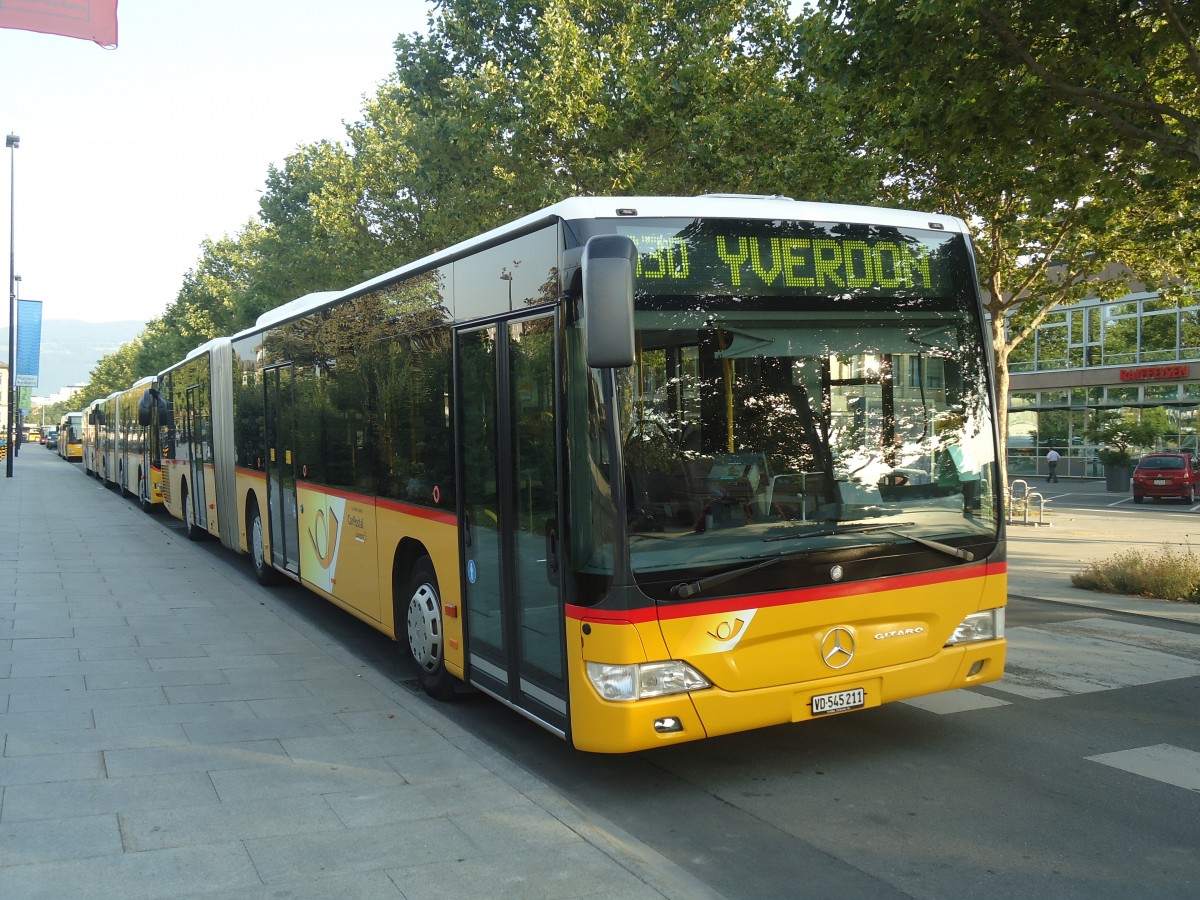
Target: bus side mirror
609 263
146 408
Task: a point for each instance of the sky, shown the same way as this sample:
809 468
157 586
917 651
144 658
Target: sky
131 157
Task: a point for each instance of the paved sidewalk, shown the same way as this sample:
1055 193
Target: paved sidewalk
201 740
1042 559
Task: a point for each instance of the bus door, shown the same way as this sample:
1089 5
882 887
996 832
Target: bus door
279 416
509 512
194 430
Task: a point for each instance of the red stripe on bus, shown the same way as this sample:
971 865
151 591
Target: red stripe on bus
420 512
786 598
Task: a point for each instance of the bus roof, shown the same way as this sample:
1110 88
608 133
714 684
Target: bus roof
703 206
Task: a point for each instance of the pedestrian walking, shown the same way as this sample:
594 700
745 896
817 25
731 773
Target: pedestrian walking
1052 458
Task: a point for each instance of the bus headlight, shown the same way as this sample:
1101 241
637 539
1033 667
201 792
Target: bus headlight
981 626
642 680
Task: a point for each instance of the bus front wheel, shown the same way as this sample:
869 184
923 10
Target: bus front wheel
263 570
422 631
193 531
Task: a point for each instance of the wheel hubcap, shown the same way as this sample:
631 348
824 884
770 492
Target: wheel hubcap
256 535
425 628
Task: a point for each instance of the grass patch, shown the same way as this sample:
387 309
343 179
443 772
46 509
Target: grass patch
1169 574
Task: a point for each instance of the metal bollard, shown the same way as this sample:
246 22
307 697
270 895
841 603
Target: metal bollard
1013 496
1041 502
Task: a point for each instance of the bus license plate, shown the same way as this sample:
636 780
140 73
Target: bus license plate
838 701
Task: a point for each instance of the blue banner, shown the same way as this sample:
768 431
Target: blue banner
29 343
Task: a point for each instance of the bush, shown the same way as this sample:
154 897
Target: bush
1170 575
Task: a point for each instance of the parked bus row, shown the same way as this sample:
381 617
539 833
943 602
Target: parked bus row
646 470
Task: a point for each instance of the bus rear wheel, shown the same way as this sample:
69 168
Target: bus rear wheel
421 624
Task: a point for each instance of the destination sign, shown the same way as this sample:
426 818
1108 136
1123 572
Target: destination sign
795 258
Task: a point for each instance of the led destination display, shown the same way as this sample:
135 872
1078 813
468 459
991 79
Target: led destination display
789 258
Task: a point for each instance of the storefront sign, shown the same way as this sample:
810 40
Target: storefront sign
1154 373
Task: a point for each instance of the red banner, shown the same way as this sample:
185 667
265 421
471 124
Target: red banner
91 20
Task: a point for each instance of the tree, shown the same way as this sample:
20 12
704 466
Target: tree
1058 209
508 105
1136 65
1119 432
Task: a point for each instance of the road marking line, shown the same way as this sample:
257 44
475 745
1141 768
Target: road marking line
949 702
1162 762
1088 655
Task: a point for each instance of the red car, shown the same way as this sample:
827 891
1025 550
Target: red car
1166 475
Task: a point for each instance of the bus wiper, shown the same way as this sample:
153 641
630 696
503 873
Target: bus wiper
956 552
893 528
684 589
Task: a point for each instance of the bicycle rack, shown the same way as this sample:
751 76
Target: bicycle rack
1027 498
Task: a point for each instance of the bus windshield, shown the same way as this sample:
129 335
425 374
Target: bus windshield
841 414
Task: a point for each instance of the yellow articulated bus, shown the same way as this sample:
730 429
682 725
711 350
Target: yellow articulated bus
70 436
647 470
194 439
136 445
92 413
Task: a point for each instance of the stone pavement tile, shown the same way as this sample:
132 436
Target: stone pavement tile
37 743
295 778
424 768
51 767
395 720
342 748
245 691
579 870
149 678
64 799
46 720
522 826
30 666
153 875
291 857
139 651
237 820
353 886
22 843
192 758
359 700
409 802
128 639
45 699
18 650
287 668
233 730
166 713
215 661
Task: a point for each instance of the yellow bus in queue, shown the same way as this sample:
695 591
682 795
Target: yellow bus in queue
70 436
645 469
136 447
92 413
196 446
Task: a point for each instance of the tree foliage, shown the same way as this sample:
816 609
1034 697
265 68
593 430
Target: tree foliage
1059 205
505 106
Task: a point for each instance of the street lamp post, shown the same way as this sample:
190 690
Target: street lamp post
12 142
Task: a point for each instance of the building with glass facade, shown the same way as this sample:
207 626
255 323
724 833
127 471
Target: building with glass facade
1138 355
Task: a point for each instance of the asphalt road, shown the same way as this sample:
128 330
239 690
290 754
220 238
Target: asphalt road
1078 775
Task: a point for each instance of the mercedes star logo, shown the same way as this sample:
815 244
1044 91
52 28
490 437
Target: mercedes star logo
837 647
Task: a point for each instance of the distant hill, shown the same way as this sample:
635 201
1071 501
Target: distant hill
71 349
